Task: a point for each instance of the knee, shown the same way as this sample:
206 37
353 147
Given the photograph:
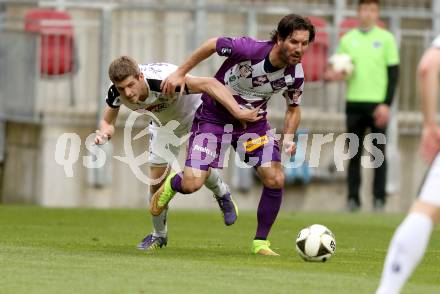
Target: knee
191 186
431 211
275 182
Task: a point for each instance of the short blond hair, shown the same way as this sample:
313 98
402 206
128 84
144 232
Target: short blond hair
362 2
121 68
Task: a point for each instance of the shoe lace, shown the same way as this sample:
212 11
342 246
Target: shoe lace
148 239
223 202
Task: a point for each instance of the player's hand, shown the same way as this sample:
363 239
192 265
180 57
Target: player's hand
248 115
104 134
100 138
381 115
430 145
173 81
289 147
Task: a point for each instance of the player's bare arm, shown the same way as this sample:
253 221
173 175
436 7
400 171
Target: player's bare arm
291 123
428 72
177 78
107 125
220 93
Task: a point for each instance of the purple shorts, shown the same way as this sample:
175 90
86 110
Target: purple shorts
209 144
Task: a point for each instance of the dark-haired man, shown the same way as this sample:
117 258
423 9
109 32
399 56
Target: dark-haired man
254 71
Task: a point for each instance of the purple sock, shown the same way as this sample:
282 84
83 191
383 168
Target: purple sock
176 183
270 203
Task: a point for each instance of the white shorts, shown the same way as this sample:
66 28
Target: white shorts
162 151
430 192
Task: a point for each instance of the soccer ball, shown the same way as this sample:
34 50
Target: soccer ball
315 243
341 62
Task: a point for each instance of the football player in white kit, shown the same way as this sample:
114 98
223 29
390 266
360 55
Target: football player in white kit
137 86
411 238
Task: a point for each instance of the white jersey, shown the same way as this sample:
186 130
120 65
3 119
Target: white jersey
431 184
165 108
436 42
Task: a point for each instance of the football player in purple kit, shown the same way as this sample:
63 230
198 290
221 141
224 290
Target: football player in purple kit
254 71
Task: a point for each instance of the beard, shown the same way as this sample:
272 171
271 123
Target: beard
287 57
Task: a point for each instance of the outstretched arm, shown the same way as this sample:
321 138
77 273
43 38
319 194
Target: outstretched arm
220 93
291 123
107 125
177 78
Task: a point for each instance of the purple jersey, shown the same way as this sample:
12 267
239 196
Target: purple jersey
243 72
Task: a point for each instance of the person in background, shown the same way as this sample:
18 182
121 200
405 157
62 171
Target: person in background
370 92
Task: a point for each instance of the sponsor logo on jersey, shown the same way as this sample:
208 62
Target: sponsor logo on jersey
377 44
232 78
157 107
279 84
249 94
167 98
226 51
251 145
245 70
155 70
259 81
204 149
116 102
296 96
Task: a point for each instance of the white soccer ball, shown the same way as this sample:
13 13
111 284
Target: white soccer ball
316 243
341 62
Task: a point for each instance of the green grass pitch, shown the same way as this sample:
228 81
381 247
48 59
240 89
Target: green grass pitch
94 251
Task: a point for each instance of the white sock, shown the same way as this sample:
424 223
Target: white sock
160 223
407 248
216 184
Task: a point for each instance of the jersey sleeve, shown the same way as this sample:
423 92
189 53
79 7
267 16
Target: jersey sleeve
112 98
436 42
293 94
155 73
237 48
392 53
154 86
